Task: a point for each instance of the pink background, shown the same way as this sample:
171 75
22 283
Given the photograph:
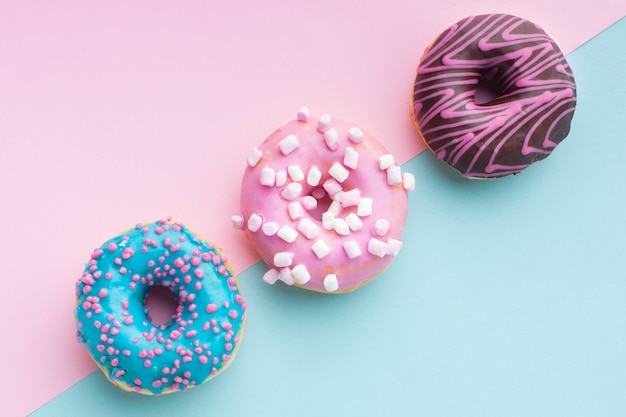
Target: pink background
114 113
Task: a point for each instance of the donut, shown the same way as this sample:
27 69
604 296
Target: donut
324 204
114 324
527 114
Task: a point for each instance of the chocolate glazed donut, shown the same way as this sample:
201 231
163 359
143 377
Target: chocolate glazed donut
529 117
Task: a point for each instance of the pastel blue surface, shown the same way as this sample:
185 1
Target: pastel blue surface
508 299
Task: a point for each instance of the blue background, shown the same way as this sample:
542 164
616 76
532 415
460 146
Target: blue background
508 298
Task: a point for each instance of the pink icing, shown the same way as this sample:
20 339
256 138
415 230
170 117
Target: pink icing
270 203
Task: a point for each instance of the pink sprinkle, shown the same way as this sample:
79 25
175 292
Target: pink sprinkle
187 279
190 333
143 353
125 304
115 331
147 363
211 308
198 273
103 293
187 374
106 328
165 370
195 261
119 373
198 286
203 359
227 326
226 304
126 352
215 360
100 347
97 253
156 383
233 314
97 324
178 263
206 326
185 269
175 248
87 279
238 299
175 334
127 253
221 270
228 346
114 361
206 257
86 289
167 242
187 359
86 305
128 320
112 247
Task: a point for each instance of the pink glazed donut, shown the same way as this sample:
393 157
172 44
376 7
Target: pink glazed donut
324 204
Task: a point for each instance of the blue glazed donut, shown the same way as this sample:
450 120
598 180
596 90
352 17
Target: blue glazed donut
203 336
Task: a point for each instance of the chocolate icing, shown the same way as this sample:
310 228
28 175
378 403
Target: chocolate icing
529 117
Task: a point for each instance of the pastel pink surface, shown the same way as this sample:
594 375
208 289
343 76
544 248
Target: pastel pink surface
114 113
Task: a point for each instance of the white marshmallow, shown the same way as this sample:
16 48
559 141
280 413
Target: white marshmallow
327 220
381 227
350 198
295 210
352 249
308 202
268 177
377 247
408 181
386 161
393 246
254 157
301 274
320 248
254 222
286 276
341 227
238 221
351 158
354 222
283 259
291 191
323 124
332 187
295 173
287 234
308 228
331 137
303 114
270 228
355 135
314 176
330 283
271 276
289 144
364 207
394 175
338 172
281 178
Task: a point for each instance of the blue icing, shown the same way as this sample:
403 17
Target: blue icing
112 322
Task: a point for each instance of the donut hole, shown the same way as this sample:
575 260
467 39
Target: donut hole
323 202
487 89
161 304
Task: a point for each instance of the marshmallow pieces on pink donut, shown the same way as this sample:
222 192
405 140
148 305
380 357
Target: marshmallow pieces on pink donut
324 204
